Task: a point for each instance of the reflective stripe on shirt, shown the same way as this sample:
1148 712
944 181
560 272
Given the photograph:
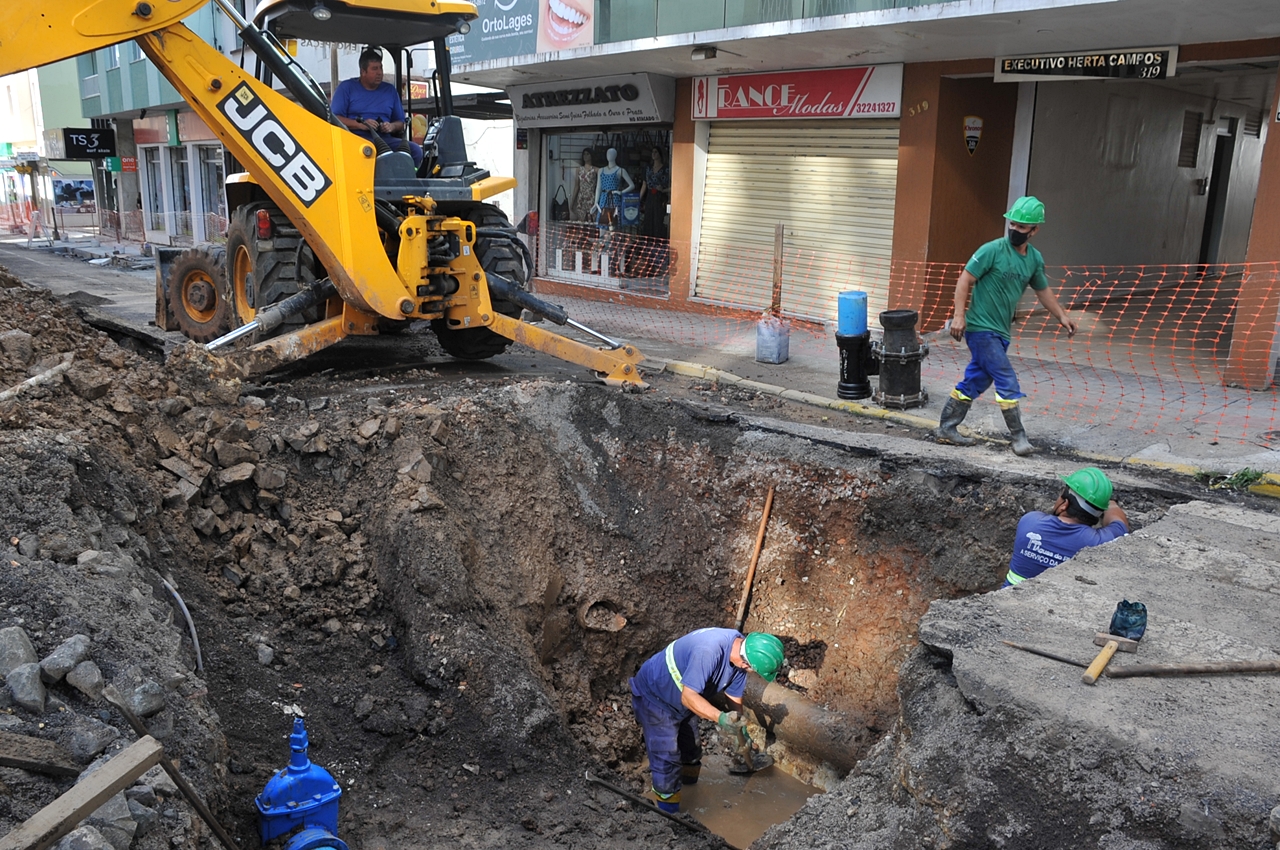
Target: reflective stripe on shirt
1013 578
672 668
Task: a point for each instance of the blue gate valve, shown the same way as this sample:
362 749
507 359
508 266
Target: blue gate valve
302 795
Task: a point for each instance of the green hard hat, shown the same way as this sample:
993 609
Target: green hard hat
1026 210
764 653
1092 485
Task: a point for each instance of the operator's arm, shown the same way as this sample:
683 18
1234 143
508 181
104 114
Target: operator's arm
963 285
698 704
1112 513
1050 302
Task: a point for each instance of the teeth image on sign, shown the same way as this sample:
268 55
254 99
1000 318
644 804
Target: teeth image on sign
564 24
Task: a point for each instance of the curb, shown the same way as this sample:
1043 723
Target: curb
1268 486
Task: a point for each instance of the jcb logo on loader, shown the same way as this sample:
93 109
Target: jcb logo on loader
274 144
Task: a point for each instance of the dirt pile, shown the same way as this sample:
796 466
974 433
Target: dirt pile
451 581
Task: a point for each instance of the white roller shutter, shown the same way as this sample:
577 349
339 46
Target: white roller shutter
831 184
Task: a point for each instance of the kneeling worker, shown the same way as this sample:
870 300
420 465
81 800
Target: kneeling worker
1045 540
667 696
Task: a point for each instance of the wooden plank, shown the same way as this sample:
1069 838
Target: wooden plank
64 814
36 755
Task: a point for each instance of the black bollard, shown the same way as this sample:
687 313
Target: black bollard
855 357
900 354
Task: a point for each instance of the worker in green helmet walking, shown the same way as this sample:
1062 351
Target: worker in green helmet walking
997 274
668 698
1083 515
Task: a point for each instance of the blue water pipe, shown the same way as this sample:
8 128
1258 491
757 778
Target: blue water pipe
303 795
851 313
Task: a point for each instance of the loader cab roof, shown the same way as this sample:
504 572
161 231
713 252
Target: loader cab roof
386 22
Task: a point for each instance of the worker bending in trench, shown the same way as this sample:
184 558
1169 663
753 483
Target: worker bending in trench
667 696
1084 515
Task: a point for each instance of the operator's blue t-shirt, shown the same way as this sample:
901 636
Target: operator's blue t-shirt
1044 541
353 100
702 657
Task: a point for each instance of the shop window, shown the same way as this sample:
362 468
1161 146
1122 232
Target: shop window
1189 149
602 224
153 188
181 191
211 183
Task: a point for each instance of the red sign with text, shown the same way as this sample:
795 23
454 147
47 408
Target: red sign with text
868 92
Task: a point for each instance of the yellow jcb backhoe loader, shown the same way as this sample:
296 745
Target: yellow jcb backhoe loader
330 234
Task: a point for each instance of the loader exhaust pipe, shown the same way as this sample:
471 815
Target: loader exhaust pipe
837 738
272 317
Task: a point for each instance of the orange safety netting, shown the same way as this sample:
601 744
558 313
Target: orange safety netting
1159 348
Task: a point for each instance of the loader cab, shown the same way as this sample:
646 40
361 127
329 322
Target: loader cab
394 26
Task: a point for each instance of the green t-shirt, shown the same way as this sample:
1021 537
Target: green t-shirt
1002 274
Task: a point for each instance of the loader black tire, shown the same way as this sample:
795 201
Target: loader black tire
260 272
199 294
496 256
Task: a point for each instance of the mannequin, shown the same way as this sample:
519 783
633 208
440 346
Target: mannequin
582 199
609 182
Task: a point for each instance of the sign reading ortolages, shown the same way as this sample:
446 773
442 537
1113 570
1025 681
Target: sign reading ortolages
1137 63
624 99
873 91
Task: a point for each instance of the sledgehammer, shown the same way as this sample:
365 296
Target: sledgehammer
1128 624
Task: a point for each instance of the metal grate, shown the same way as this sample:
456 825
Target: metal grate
1189 149
1253 123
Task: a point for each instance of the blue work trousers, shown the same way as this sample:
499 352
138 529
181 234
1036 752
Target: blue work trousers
988 364
670 741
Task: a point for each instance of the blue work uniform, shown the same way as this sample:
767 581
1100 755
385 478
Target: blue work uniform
699 660
1044 541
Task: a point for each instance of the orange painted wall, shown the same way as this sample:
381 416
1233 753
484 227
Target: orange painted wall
682 183
970 191
947 202
1251 362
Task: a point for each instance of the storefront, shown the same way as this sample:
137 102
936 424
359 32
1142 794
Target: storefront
816 151
181 166
605 189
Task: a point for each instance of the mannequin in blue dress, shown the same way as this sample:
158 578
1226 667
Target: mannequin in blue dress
610 183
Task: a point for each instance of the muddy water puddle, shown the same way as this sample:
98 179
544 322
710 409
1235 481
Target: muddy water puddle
740 808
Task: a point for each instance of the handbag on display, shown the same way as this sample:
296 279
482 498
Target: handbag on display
600 150
559 205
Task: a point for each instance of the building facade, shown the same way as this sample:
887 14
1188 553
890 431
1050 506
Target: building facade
866 143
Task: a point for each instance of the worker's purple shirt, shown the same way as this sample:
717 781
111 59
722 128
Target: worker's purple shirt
352 100
702 657
1043 541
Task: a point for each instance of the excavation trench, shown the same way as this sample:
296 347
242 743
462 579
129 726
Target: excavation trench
453 581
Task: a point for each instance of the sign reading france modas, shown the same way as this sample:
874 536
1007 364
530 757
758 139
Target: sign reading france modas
505 28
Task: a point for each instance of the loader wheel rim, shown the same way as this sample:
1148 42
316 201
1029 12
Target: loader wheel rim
199 297
242 284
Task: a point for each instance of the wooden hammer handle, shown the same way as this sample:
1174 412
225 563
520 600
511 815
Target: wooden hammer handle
1099 664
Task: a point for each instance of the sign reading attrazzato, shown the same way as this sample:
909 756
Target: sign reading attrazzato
1138 63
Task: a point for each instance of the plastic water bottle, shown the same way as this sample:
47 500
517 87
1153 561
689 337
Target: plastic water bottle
773 339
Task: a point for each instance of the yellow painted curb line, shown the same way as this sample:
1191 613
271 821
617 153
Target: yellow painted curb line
695 370
1268 486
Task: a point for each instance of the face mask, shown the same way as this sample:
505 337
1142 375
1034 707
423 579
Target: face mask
1017 237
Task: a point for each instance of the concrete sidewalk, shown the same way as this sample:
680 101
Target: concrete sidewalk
1105 414
1110 415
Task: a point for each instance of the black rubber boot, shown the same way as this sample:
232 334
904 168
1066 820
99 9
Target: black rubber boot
1013 419
953 413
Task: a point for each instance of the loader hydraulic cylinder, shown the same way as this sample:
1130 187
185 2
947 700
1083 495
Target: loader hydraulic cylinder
271 318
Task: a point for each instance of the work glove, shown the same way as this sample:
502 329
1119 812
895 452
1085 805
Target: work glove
731 721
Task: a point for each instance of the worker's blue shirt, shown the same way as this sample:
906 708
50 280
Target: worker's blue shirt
1044 541
353 100
702 657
